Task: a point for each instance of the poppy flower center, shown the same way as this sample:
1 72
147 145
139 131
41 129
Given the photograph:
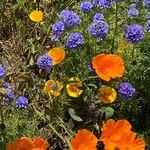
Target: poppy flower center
53 87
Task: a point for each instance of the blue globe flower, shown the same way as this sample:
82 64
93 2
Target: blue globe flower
134 33
98 29
102 3
70 18
133 12
86 6
58 29
75 40
98 16
45 62
21 102
126 90
2 71
147 3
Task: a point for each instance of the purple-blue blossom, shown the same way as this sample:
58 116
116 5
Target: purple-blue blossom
133 12
86 6
2 71
98 29
98 16
147 3
74 40
126 90
69 18
102 3
134 33
45 62
21 102
58 29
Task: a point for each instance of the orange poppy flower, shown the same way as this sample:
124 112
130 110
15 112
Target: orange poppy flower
26 143
40 143
53 87
118 134
36 16
57 54
84 140
74 88
108 66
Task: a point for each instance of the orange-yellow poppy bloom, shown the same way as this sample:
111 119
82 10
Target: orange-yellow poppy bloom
26 143
108 66
53 87
107 94
74 88
57 54
36 16
84 140
118 134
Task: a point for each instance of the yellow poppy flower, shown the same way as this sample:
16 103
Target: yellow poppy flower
57 54
53 88
107 94
36 16
74 88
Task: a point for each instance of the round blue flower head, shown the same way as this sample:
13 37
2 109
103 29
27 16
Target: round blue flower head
2 71
147 27
126 90
102 3
58 29
21 102
98 29
147 3
133 12
86 6
98 16
74 40
134 33
45 62
70 18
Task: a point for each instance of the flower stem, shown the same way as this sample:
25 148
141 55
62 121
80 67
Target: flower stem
116 26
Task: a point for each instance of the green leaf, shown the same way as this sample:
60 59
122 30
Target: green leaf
108 112
73 115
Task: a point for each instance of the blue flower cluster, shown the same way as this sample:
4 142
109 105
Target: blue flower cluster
21 102
9 93
126 90
98 16
98 29
2 71
86 6
69 18
74 40
45 62
58 29
102 3
147 3
134 33
133 11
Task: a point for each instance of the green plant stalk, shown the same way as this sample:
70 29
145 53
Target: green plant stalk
2 119
116 26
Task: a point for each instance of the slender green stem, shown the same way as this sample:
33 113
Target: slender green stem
115 29
1 112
